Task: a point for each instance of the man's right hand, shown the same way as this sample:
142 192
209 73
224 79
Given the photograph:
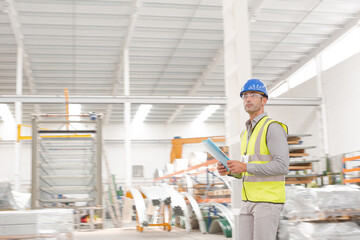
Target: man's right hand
222 170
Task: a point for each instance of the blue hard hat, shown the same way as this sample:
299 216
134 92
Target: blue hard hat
254 85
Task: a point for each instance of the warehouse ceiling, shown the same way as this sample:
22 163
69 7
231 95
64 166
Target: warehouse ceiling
175 48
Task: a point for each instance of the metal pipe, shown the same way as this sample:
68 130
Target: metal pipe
34 176
98 177
127 120
18 113
66 92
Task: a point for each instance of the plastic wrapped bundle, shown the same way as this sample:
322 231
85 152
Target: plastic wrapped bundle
21 199
36 222
331 201
323 231
284 227
290 208
305 204
55 221
6 198
338 197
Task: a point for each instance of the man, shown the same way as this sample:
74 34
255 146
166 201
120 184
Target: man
263 166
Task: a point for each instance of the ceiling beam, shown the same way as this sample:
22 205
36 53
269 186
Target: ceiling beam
200 81
255 9
303 24
16 27
183 100
19 37
348 26
293 27
59 99
177 41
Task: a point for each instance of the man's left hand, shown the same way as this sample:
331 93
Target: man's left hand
237 166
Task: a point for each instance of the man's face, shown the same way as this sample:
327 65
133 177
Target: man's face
253 101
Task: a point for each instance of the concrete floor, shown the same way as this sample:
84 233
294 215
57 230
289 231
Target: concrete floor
150 233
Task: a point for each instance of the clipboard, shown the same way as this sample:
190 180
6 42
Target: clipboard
216 152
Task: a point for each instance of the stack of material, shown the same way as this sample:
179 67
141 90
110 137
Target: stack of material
219 193
200 189
314 213
37 223
322 203
7 201
300 162
339 200
301 203
308 231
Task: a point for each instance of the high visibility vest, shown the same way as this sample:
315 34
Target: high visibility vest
261 188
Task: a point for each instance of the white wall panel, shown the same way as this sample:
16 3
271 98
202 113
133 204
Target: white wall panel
341 88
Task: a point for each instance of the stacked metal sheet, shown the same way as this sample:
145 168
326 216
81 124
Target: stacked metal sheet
36 222
302 203
311 209
309 231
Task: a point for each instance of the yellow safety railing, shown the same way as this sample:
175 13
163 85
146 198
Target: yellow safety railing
20 137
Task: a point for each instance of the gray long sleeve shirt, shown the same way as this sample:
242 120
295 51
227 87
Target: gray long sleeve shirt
278 148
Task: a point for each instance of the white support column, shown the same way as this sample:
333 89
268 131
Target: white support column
127 121
238 69
322 114
18 113
137 4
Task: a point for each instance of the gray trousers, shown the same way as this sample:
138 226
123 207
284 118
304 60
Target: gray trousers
258 221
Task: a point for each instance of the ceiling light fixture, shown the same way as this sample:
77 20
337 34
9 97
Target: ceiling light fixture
141 113
204 115
283 88
6 115
303 74
342 49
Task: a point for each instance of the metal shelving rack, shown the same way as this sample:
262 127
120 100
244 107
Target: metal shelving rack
297 163
66 164
347 170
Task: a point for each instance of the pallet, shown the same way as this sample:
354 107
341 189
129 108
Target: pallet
218 192
293 139
303 181
299 179
68 236
332 216
298 168
199 191
298 154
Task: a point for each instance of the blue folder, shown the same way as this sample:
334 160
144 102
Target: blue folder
216 152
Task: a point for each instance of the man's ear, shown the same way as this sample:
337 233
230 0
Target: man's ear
264 100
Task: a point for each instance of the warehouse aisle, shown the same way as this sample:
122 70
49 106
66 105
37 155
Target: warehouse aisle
149 234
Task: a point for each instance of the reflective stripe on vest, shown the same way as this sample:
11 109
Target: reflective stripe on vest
261 188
